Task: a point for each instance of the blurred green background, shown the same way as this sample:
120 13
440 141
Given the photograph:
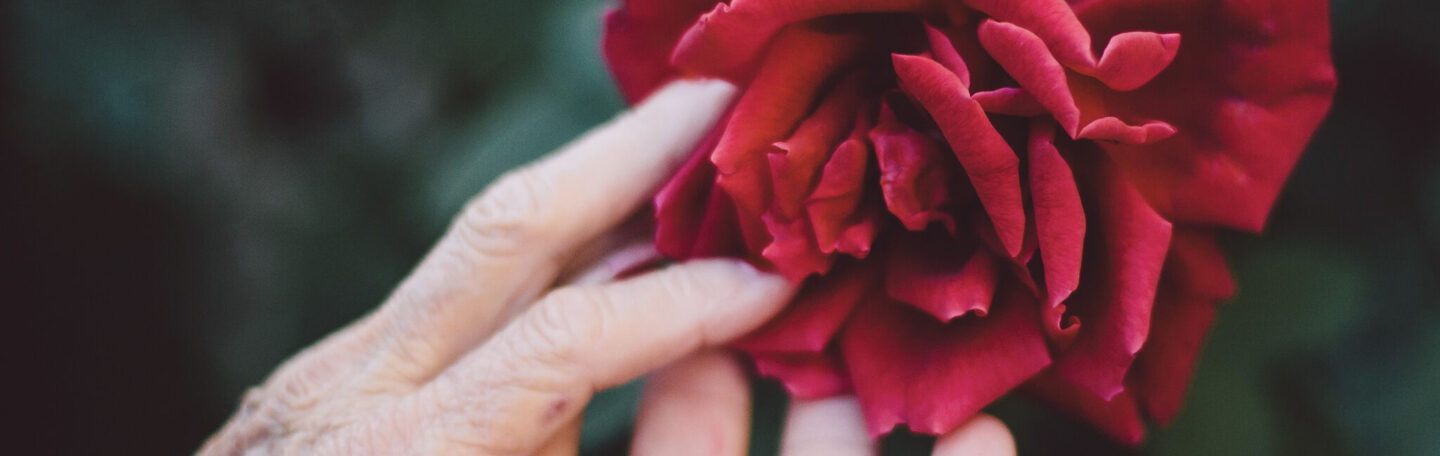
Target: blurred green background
192 191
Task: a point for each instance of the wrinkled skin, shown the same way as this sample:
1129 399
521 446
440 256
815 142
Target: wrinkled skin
537 297
984 195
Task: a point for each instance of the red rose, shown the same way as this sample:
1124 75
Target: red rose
982 195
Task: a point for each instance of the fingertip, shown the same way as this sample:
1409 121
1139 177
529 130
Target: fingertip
698 405
702 91
983 435
832 426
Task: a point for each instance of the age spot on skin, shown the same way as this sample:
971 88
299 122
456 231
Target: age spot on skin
556 411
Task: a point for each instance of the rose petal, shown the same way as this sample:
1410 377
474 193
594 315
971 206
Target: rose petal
1195 281
945 53
1134 58
781 94
1059 215
836 207
1251 84
796 163
683 206
727 41
914 173
1010 101
1116 299
792 249
992 166
639 36
811 376
933 273
816 313
908 368
1119 417
1025 57
1111 129
1051 20
862 229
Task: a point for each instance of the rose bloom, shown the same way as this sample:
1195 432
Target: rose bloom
984 195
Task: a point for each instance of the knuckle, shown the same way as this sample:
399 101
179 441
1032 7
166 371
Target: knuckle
560 323
510 214
687 283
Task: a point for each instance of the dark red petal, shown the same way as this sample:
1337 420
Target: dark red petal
792 249
1118 417
639 36
1119 294
726 41
1252 82
909 368
915 172
992 166
719 233
1134 58
1195 281
861 231
816 313
795 164
680 205
1059 215
944 51
1010 101
781 94
933 273
1025 57
1114 130
809 376
836 206
1051 20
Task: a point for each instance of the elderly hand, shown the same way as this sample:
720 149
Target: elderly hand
497 340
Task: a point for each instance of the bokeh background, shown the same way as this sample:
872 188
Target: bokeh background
190 191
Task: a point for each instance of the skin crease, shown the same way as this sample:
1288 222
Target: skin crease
499 337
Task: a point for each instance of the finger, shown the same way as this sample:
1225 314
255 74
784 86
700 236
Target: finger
826 427
538 371
617 261
699 405
565 442
983 435
508 244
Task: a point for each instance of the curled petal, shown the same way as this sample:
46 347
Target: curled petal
780 95
914 175
796 163
909 368
837 208
992 166
944 51
805 376
792 249
1111 129
1051 20
1010 101
819 309
1025 57
1115 303
1059 215
929 271
1252 82
1134 58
